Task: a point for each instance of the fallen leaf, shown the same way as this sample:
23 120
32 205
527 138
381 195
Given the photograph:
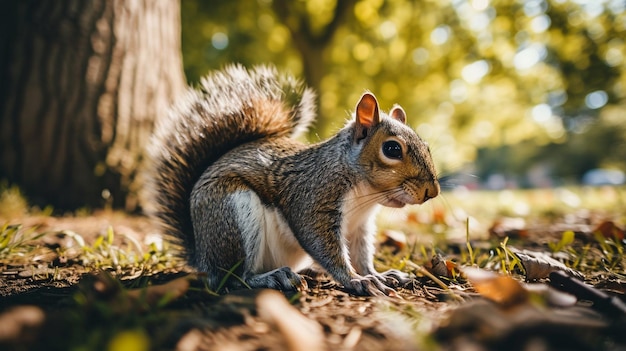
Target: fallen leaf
501 289
441 267
609 230
539 265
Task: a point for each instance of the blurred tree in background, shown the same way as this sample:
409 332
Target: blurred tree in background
81 84
514 85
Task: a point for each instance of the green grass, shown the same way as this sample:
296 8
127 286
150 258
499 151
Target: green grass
14 240
453 227
130 259
21 246
457 219
457 226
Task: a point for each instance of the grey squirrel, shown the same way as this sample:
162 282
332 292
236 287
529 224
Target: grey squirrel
234 188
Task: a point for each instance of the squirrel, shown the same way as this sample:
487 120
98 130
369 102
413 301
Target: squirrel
233 187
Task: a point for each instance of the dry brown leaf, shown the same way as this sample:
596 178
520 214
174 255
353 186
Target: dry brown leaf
539 265
501 289
441 267
609 229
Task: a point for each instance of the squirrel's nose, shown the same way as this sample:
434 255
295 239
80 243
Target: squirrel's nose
431 191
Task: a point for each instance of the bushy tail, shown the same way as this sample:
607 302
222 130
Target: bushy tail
230 107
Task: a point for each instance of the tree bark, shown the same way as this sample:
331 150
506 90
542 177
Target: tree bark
82 83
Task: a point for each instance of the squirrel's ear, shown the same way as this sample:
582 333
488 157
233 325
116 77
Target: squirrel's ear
398 114
366 115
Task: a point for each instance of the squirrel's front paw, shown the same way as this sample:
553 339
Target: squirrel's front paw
369 285
395 278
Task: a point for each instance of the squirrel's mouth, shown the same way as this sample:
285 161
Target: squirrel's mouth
393 203
398 199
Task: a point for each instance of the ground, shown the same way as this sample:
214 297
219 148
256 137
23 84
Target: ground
103 280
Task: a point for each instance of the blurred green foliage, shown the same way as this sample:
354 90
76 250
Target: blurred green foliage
523 83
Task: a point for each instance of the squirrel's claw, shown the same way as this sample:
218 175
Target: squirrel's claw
301 283
395 278
369 285
281 279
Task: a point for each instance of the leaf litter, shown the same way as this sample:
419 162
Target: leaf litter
476 287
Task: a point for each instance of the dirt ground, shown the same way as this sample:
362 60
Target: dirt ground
54 302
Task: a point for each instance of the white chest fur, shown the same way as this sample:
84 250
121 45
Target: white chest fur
359 229
360 206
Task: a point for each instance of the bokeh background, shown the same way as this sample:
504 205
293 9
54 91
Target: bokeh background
510 94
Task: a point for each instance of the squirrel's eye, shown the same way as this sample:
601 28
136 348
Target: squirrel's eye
392 149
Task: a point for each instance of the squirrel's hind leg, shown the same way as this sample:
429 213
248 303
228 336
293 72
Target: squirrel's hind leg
233 227
269 246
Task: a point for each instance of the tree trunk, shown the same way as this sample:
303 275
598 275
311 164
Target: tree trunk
310 44
82 83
